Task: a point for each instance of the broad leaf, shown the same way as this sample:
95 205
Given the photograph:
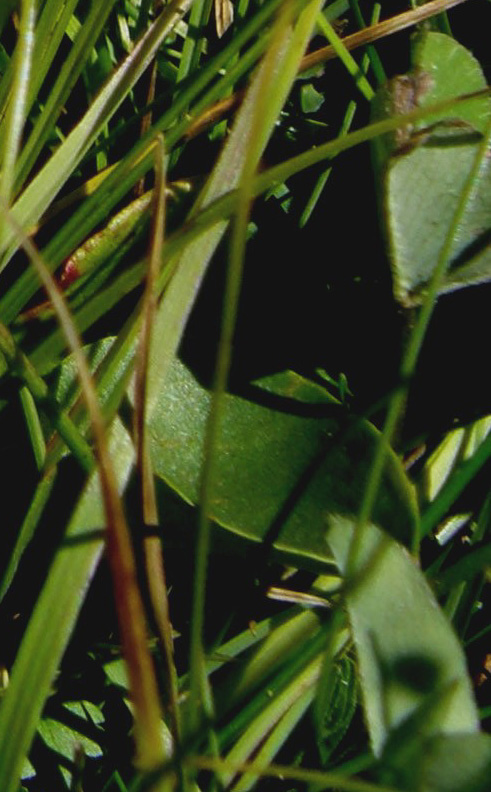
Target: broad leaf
423 171
456 763
408 654
445 763
281 469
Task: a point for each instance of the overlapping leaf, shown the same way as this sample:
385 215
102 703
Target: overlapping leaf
281 469
411 663
424 172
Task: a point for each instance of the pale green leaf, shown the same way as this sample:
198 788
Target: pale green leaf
310 98
445 763
64 739
423 171
407 650
456 763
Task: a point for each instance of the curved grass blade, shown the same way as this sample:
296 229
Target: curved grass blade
140 159
34 427
50 28
10 139
22 367
52 622
317 778
291 702
28 527
40 192
270 88
69 74
14 720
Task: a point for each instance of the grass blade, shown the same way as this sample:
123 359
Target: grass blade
37 197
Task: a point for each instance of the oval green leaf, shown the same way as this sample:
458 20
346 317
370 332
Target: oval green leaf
282 464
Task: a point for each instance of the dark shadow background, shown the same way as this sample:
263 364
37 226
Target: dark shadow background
321 296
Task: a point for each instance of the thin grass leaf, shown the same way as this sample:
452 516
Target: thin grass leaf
245 640
224 206
40 192
348 61
265 705
456 484
301 689
193 45
345 127
136 164
298 629
282 772
473 563
189 273
277 735
17 106
22 367
51 27
371 52
154 565
381 30
51 351
28 527
271 87
148 307
150 749
52 622
69 74
34 427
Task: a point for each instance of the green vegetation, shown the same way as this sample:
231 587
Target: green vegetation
246 537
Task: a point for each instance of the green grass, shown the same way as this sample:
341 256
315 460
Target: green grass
218 571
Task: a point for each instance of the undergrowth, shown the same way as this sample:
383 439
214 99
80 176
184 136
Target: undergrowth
244 421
